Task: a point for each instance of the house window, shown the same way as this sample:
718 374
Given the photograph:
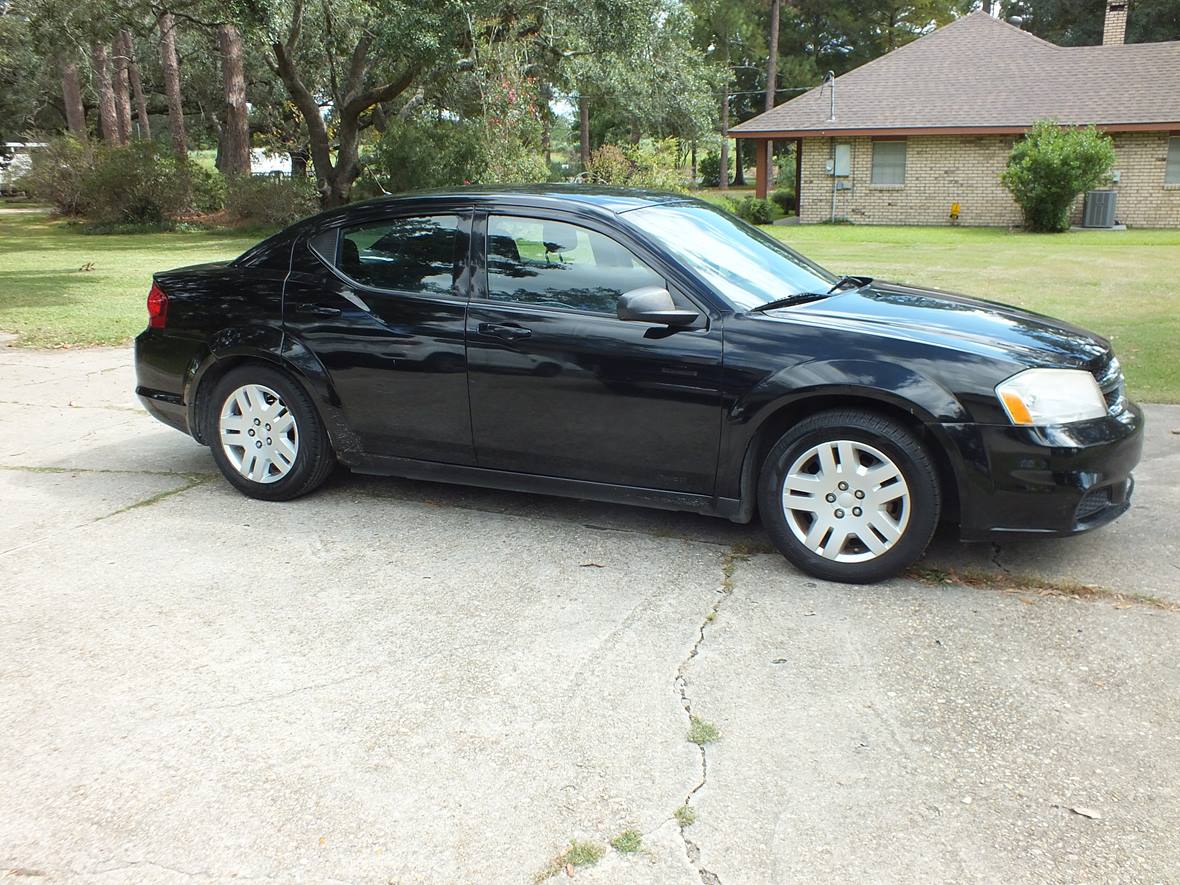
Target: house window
1172 174
888 162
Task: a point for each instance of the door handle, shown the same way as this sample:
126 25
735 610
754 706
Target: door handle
505 331
317 310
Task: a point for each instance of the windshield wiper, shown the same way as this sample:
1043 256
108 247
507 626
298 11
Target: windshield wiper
791 301
857 282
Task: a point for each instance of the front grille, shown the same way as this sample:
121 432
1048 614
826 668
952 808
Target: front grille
1092 502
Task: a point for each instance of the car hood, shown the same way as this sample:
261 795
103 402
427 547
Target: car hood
959 322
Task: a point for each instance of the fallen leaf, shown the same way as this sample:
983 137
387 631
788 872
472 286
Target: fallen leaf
1086 812
569 870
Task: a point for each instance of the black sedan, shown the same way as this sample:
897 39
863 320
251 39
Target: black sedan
642 348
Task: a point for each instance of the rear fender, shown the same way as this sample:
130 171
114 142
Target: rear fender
268 345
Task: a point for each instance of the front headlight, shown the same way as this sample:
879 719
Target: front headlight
1051 396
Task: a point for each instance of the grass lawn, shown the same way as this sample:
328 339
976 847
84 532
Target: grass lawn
1122 285
47 298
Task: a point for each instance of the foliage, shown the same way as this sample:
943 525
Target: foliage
420 153
650 164
511 120
1050 167
1079 22
135 184
627 842
702 732
709 169
18 65
138 184
58 174
784 199
270 201
685 815
755 210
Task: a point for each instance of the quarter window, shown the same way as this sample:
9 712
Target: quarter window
888 162
419 254
531 261
1172 174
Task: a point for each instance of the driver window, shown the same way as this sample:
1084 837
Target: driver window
531 261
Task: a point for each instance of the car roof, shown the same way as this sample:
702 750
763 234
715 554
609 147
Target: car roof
612 200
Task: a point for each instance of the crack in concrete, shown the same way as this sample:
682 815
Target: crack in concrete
192 480
102 470
13 402
728 566
996 559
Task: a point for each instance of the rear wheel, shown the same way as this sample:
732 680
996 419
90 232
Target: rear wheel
266 435
849 496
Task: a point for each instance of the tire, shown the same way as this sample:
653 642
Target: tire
284 452
888 508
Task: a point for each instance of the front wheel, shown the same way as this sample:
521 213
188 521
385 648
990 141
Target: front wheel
849 496
266 435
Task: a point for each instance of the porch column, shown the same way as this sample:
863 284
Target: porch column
762 149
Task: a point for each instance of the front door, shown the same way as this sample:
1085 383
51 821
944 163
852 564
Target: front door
561 387
381 305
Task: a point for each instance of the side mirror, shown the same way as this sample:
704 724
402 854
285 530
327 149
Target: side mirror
652 304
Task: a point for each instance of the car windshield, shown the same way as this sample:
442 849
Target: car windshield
745 265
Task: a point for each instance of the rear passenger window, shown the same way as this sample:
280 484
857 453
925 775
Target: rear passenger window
418 254
549 262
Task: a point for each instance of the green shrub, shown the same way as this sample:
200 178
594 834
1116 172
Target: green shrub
206 189
784 199
709 170
136 184
270 201
418 153
755 210
652 164
123 187
58 172
1050 167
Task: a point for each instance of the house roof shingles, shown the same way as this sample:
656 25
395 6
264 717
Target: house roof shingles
979 72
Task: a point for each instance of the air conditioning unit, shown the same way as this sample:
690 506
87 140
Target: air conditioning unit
1098 210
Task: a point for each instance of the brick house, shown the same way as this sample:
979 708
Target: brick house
904 138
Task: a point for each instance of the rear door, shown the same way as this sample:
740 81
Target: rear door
381 303
560 386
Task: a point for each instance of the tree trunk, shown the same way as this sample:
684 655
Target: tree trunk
739 170
236 155
71 90
584 131
546 122
694 162
122 88
171 66
141 112
776 7
298 163
108 122
723 181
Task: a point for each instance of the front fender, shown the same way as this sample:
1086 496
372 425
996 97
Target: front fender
898 385
833 383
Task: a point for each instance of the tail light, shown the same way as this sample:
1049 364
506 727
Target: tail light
157 307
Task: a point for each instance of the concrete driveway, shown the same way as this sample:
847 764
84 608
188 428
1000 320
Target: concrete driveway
403 682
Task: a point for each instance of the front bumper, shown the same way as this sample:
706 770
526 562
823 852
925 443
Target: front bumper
1054 481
